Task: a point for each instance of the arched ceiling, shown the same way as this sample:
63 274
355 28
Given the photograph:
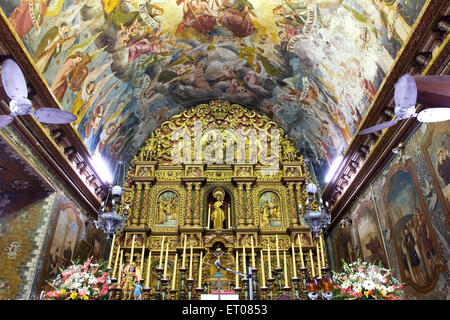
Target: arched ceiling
124 67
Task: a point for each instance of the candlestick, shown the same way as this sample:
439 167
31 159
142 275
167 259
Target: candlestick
278 253
237 270
269 262
245 261
147 280
162 252
190 265
183 264
229 217
132 249
142 257
111 251
312 263
115 262
285 271
165 261
294 266
200 270
253 254
263 275
318 260
302 262
120 267
321 250
174 271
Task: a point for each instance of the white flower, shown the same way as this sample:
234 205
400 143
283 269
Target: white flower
368 285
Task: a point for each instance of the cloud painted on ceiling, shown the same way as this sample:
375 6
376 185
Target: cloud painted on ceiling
124 67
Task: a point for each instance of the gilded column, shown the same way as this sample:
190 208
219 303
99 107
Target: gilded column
298 196
145 204
137 202
292 208
249 206
241 211
196 213
188 217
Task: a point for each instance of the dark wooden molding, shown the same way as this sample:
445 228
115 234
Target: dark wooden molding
59 146
426 53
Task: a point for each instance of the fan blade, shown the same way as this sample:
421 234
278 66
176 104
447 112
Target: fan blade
13 80
5 120
379 127
405 92
434 115
54 116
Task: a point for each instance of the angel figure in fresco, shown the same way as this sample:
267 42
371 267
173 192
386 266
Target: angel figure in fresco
28 14
396 25
290 15
235 16
131 274
61 82
196 15
51 44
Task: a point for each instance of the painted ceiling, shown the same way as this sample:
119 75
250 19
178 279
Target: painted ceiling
124 67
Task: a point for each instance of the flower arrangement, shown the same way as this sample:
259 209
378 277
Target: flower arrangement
363 280
88 281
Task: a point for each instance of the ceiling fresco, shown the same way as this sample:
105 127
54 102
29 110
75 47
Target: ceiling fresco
124 67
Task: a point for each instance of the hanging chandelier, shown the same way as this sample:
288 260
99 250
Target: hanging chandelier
316 220
110 222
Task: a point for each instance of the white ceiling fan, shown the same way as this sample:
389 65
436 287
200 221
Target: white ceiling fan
430 91
16 89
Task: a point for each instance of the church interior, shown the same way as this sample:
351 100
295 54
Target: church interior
233 149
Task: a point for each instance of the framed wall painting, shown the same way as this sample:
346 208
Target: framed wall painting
368 233
436 148
419 255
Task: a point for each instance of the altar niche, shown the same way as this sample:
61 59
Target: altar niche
218 210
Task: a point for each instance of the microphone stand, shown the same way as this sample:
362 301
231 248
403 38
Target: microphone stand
246 276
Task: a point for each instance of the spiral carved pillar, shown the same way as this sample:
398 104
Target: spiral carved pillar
196 214
241 212
188 218
145 204
137 202
292 206
298 196
249 206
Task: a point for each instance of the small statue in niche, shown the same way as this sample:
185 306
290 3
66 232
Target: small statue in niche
218 215
289 152
150 148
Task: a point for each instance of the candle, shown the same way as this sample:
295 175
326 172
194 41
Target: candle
120 267
142 257
321 250
209 215
253 254
245 262
190 264
285 270
165 261
318 260
115 262
263 273
111 252
132 249
269 262
293 261
302 263
184 252
174 272
312 263
147 282
237 270
162 252
278 253
200 270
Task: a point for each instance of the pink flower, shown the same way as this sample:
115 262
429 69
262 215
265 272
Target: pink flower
103 291
100 280
82 292
360 269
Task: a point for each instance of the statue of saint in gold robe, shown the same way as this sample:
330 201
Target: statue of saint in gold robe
218 215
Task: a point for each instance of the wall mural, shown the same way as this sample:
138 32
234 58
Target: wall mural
125 66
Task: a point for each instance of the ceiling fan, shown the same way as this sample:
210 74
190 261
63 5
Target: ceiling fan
430 91
16 89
